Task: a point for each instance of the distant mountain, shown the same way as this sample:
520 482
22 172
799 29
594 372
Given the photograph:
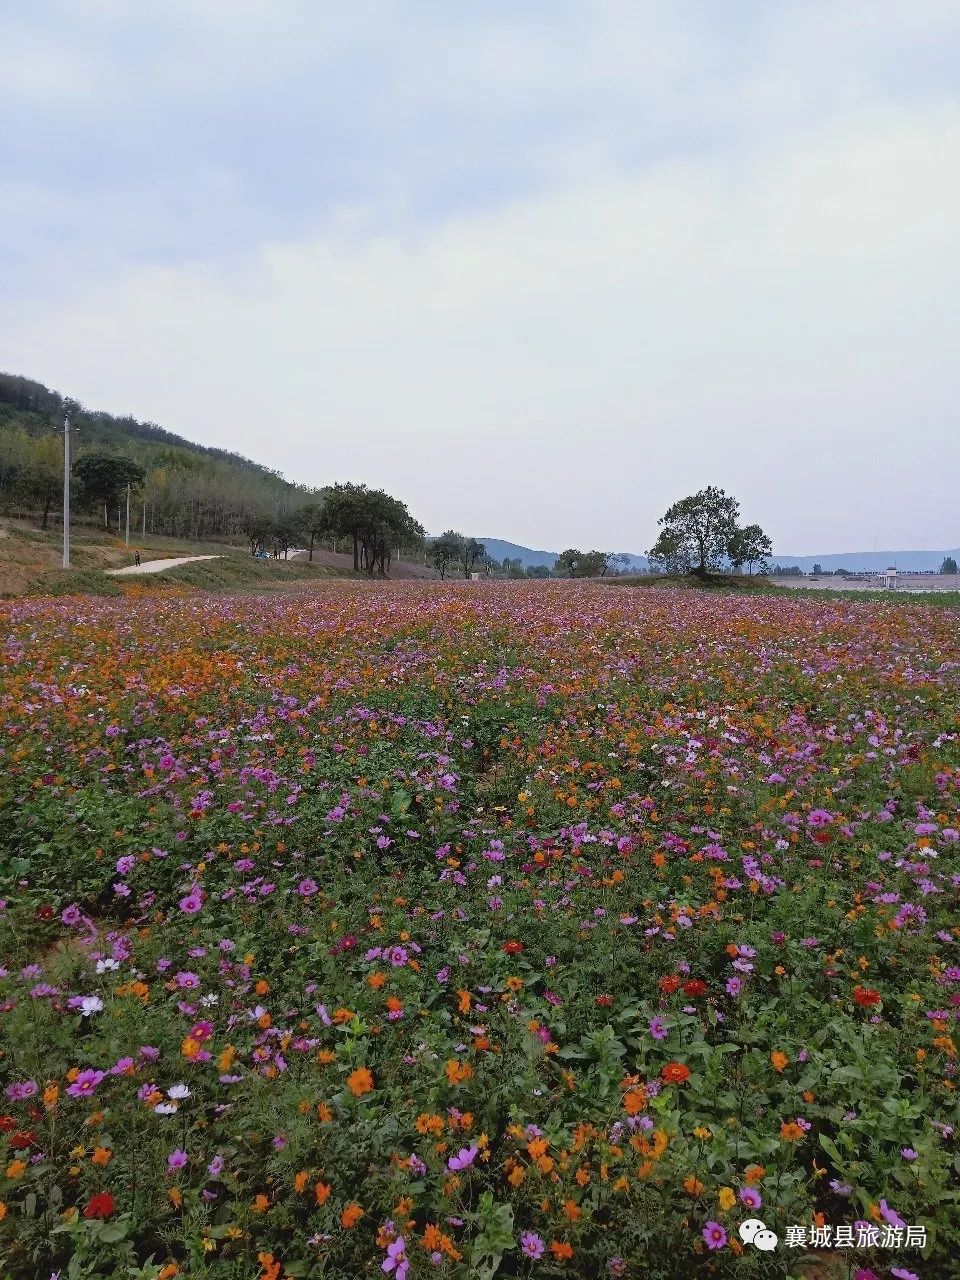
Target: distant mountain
499 549
877 560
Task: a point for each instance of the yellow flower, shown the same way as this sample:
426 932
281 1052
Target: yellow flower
726 1197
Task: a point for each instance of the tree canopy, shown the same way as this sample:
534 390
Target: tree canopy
700 534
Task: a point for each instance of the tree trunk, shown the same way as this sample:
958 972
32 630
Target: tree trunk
46 511
312 536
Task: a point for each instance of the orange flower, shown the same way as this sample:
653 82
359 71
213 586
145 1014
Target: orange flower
779 1060
300 1181
261 1203
561 1250
426 1123
634 1101
322 1192
360 1081
101 1155
675 1073
693 1186
351 1215
271 1268
791 1132
458 1072
463 1001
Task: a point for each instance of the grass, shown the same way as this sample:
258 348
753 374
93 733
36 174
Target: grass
748 583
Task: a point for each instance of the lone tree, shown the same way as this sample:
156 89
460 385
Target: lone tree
471 553
104 476
949 565
446 550
700 534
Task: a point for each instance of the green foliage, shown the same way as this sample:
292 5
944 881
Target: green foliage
581 564
700 534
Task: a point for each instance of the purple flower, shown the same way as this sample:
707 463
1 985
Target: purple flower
192 903
396 1259
908 1153
307 888
71 915
85 1083
657 1029
177 1159
531 1246
714 1235
750 1196
20 1091
215 1167
464 1158
890 1215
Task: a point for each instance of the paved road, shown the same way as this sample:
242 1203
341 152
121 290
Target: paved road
157 566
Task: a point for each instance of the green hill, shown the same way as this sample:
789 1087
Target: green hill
191 490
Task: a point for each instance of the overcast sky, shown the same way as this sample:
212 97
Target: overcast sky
536 267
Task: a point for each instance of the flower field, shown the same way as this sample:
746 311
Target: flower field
480 929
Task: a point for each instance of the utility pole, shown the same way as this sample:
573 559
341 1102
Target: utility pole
126 539
144 517
66 490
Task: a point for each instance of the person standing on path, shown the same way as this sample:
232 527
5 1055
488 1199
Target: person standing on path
136 558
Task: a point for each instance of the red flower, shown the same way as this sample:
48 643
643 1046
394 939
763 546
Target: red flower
101 1206
513 948
6 1123
669 985
865 996
675 1073
20 1141
695 987
45 913
604 1002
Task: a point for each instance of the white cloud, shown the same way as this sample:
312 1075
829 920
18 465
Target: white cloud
539 271
561 370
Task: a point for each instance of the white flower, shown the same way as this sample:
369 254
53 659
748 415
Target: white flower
103 966
166 1108
89 1005
207 1001
178 1092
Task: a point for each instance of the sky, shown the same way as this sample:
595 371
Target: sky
537 268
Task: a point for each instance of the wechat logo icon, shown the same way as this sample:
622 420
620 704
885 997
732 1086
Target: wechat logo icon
755 1232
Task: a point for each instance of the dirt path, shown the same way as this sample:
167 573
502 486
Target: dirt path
157 566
